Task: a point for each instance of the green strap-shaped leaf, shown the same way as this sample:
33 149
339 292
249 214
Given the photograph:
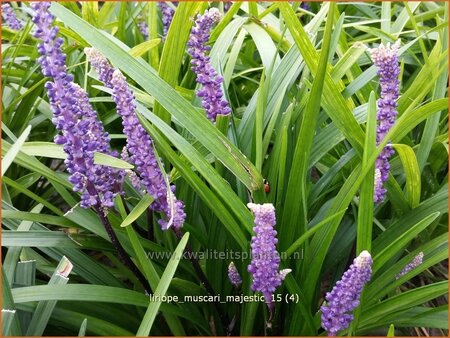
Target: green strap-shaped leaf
8 303
174 48
44 149
53 239
111 161
14 150
298 243
365 210
52 150
7 321
295 208
19 188
391 331
144 47
44 309
13 254
152 310
402 301
412 172
82 331
400 242
333 101
138 210
435 251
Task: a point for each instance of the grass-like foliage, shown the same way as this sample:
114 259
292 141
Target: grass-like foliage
267 118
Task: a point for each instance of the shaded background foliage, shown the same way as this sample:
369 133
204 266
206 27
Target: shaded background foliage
302 123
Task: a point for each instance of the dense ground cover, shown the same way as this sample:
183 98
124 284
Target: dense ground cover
324 121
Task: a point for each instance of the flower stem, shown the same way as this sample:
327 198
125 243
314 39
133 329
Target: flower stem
204 280
123 256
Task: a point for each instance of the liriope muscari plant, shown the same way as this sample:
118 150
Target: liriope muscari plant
211 91
344 297
139 144
265 257
82 134
385 58
150 176
101 188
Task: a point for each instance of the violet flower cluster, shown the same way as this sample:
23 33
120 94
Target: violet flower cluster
167 13
385 58
412 265
139 144
10 17
344 298
211 91
265 258
143 28
81 133
233 275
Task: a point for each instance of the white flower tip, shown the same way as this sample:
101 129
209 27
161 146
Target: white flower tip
93 53
88 50
364 259
214 14
266 207
283 273
365 254
384 51
117 74
419 257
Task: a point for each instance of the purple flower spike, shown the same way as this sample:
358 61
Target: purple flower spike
211 91
265 258
233 275
101 65
81 133
139 144
167 13
143 28
411 266
344 297
10 17
385 58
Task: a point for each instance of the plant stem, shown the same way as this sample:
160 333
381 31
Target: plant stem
123 256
